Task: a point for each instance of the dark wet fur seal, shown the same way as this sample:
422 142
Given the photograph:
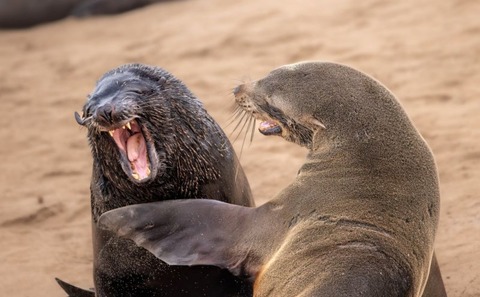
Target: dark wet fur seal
360 218
152 140
26 13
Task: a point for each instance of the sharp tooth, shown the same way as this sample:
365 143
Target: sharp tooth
136 176
111 132
129 126
148 171
123 127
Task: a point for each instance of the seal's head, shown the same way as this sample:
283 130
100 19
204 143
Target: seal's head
124 111
312 102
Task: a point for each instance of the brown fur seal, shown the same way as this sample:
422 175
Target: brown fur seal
360 218
152 140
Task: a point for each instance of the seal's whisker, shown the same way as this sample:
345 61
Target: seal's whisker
236 114
250 122
87 119
238 109
253 129
246 133
239 122
241 129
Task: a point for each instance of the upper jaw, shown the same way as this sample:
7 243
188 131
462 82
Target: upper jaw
127 124
268 126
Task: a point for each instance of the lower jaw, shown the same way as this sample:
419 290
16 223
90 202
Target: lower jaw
138 178
134 176
147 168
277 132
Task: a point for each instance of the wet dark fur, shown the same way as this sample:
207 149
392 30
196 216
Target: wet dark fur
195 160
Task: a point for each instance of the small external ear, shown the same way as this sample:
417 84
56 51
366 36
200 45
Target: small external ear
161 81
313 121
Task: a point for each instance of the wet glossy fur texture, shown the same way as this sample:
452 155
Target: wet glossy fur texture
191 157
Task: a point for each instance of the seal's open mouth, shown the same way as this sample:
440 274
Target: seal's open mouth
270 128
132 144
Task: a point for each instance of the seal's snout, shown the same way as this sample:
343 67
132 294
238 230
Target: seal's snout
104 115
242 97
238 90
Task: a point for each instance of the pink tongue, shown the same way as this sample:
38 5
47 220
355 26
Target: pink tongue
266 125
137 154
269 128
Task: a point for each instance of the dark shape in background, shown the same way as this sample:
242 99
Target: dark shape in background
27 13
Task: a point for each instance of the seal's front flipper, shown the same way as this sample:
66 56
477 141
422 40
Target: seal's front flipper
73 291
434 286
187 232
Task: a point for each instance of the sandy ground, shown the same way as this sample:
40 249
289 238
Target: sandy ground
426 51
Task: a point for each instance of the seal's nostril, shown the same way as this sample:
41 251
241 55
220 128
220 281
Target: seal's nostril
238 90
104 114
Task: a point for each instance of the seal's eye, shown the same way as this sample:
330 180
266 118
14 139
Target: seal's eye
138 92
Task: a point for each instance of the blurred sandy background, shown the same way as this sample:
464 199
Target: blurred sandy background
426 51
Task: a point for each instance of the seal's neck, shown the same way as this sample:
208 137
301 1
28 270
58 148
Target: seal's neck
329 163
